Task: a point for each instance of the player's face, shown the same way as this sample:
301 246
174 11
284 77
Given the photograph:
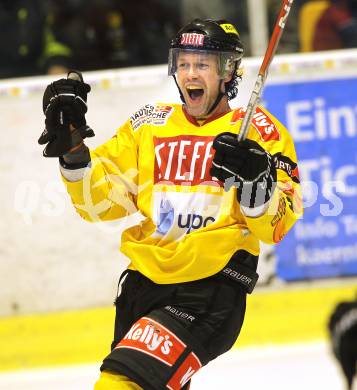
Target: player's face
198 79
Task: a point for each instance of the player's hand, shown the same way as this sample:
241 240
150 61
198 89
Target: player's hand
65 105
246 165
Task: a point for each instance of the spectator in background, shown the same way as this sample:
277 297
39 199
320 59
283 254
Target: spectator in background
27 44
337 26
309 14
150 25
111 33
235 11
219 8
289 42
238 13
94 31
343 332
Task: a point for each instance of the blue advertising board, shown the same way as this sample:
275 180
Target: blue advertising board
322 118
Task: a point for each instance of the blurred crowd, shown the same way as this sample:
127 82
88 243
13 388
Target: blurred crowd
51 36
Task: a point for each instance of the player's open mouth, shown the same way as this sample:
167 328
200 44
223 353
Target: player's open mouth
195 93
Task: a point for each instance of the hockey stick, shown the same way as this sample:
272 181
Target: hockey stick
263 71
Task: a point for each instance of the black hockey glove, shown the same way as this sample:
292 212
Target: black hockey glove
64 104
343 332
245 165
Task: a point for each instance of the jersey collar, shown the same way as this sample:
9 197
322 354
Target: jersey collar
202 122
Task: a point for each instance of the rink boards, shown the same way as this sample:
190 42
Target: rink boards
297 314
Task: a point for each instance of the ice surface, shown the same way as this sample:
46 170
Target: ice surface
294 367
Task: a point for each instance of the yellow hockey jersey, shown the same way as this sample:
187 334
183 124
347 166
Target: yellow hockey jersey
158 163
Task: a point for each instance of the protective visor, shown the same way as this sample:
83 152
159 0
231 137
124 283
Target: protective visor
225 60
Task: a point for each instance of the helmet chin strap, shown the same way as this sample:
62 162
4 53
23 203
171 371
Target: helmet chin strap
218 99
181 94
215 103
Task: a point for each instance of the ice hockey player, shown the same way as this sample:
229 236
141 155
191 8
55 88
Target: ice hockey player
343 334
206 199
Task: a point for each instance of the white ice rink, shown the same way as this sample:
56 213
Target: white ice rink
297 367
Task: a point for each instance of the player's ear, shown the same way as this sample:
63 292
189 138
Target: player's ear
228 76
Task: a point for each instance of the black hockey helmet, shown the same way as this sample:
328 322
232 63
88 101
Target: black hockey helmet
213 36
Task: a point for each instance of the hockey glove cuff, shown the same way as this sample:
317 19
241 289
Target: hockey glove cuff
79 156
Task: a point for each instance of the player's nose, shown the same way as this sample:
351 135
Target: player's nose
192 71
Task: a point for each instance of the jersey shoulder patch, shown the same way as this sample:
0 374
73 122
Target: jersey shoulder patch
154 114
285 164
262 123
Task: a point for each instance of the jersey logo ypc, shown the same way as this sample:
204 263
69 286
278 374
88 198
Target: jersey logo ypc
166 217
187 221
194 221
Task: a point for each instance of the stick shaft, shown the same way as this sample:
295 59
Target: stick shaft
263 71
